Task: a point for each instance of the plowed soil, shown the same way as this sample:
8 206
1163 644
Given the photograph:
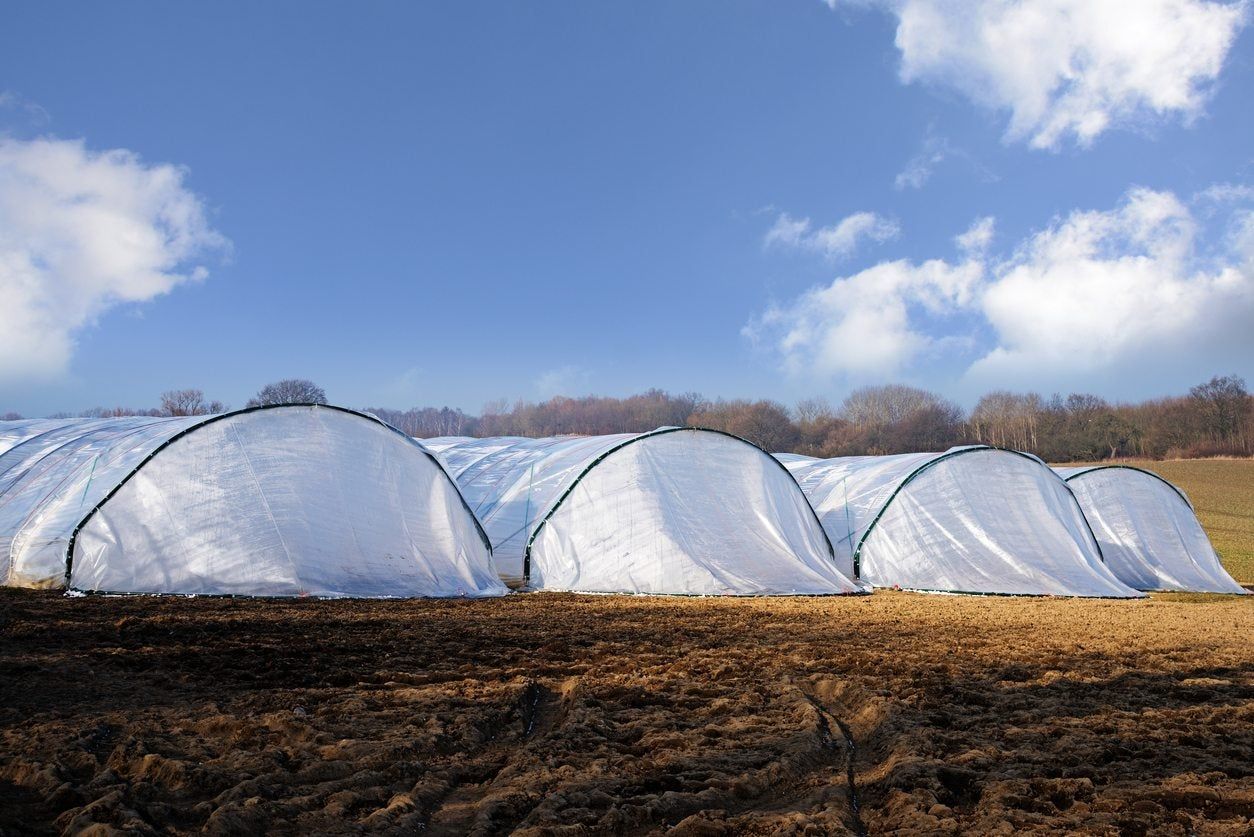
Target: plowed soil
562 714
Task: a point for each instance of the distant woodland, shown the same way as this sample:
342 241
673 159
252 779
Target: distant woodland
1215 418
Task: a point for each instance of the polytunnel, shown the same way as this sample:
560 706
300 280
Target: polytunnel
672 511
277 501
1148 531
971 520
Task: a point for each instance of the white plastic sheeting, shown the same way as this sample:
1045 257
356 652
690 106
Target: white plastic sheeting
274 502
15 432
1149 534
971 520
51 479
678 511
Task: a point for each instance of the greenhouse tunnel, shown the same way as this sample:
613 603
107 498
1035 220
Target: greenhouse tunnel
673 511
1148 531
296 500
971 520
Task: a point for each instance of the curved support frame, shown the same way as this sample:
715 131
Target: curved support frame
660 432
1158 477
857 553
69 549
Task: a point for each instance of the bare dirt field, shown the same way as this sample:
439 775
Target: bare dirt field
562 714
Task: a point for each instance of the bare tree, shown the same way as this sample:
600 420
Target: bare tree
188 402
425 422
886 405
289 391
765 423
1007 419
11 417
814 411
117 412
1224 407
589 414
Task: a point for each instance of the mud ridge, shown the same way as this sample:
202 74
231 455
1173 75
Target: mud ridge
850 753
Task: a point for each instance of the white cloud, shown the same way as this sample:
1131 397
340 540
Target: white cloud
866 324
1221 193
1127 291
32 111
918 170
934 151
787 231
1109 290
976 240
81 232
1068 68
837 241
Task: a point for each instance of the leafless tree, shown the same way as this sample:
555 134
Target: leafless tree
882 406
289 391
765 423
425 422
1007 419
1224 407
117 412
813 410
188 402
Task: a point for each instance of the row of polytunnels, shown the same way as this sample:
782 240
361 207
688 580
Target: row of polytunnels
322 501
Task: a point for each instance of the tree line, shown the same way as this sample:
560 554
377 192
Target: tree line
1215 418
192 402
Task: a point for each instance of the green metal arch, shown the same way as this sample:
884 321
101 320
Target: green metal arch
661 432
857 553
69 549
1147 472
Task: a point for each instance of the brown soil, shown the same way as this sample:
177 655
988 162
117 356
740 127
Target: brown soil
558 714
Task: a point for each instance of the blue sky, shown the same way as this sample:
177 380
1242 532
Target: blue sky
429 204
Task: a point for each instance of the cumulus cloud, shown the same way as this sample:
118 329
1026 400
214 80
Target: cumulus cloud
869 323
1108 289
1068 68
1135 287
80 232
837 241
976 240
